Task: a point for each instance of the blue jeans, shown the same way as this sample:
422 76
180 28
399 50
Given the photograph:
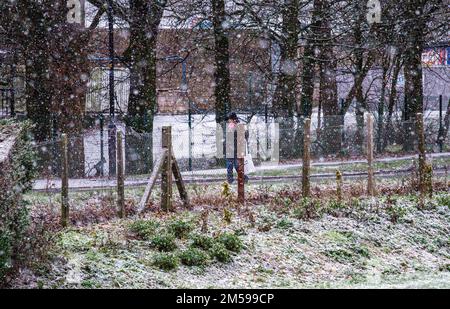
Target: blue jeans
233 163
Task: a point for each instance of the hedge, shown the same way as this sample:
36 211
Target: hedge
17 170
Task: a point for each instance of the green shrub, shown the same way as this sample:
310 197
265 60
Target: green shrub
5 252
193 257
164 242
202 241
144 229
305 209
395 212
352 253
89 284
284 224
340 255
286 203
180 228
444 200
231 241
221 253
16 174
166 261
361 250
335 205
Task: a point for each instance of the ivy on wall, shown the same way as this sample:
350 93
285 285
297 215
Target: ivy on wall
16 174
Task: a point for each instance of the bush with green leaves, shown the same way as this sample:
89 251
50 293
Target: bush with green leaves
166 261
180 228
335 204
193 257
202 241
443 200
231 241
305 209
284 224
144 229
221 253
164 242
17 170
396 211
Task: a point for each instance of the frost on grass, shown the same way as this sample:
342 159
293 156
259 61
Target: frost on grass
357 244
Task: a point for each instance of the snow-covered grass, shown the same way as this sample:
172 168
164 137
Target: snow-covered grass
354 167
358 242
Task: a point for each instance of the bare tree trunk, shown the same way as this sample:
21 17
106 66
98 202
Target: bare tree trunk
222 61
284 103
331 137
359 114
413 73
145 18
361 105
38 93
306 106
392 99
309 62
384 81
446 123
332 120
38 96
141 54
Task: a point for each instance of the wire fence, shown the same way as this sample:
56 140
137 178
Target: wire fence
276 149
6 103
198 146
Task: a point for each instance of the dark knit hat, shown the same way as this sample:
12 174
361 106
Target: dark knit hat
233 116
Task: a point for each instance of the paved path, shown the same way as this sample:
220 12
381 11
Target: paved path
218 175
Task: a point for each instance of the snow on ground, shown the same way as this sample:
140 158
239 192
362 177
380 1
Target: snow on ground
354 247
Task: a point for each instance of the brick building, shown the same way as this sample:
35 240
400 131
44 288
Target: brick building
250 65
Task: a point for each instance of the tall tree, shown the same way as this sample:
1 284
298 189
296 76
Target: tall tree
418 24
286 92
333 123
56 69
415 25
222 59
144 18
285 97
360 43
310 61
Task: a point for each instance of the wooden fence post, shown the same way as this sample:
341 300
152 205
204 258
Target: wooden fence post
64 182
157 167
339 185
120 177
241 162
166 175
422 156
306 188
179 182
429 177
446 178
370 180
